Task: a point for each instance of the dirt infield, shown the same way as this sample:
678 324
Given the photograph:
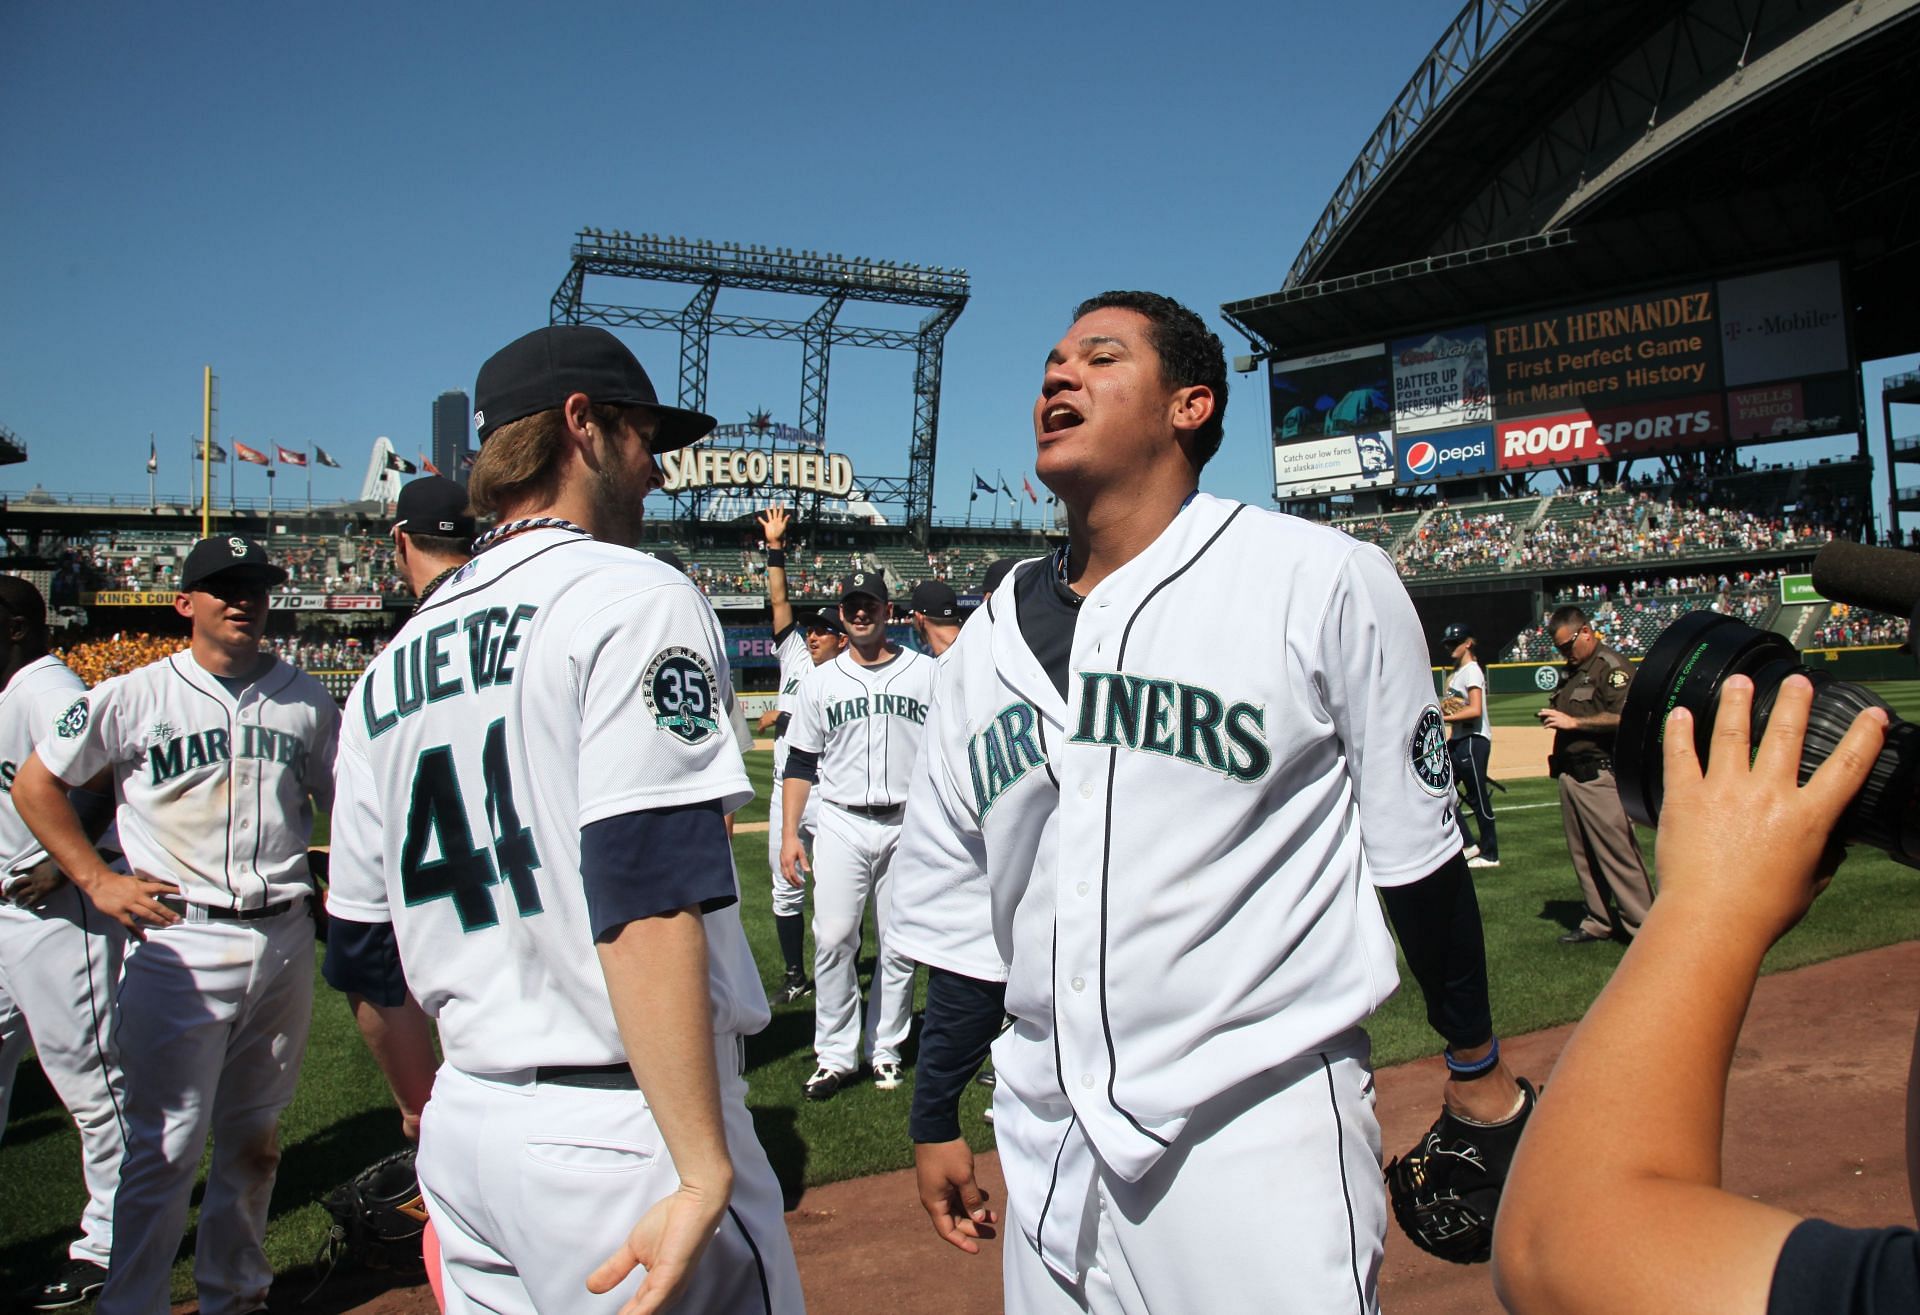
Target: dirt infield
1816 1125
1520 751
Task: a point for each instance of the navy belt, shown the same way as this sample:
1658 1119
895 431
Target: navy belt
871 810
600 1077
216 913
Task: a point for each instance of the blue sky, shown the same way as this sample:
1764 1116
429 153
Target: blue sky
343 209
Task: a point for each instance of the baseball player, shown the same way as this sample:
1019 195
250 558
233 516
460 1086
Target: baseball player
432 533
1178 841
219 754
800 650
529 847
1470 743
936 617
856 727
59 956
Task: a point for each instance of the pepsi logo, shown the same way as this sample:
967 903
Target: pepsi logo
1421 458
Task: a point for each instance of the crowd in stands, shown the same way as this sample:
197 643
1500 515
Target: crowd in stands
1652 527
320 652
95 660
1848 627
1454 539
1630 616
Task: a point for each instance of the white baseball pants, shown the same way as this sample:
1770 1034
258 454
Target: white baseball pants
59 964
851 855
788 899
1271 1201
532 1185
212 1029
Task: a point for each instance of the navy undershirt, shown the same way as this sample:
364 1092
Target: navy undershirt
1828 1270
1047 611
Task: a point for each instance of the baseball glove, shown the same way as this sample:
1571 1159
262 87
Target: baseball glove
1446 1189
1451 704
378 1217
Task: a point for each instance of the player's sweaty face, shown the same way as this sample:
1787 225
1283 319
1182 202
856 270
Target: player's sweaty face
863 616
229 610
1102 404
626 475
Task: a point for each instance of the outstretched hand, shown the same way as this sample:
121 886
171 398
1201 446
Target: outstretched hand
1751 805
773 526
668 1240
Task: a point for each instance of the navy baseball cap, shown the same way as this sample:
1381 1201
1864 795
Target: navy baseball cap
871 583
229 554
826 619
539 371
1456 633
933 598
433 504
671 558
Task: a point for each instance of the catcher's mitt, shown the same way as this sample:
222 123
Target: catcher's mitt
1451 704
1446 1189
378 1217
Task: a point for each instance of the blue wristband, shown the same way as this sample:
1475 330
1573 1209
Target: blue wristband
1479 1068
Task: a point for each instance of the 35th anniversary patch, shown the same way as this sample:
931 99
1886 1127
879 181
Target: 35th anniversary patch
1427 751
680 691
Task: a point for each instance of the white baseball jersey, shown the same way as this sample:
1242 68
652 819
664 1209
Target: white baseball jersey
1178 854
1470 677
866 724
214 789
36 696
795 662
552 683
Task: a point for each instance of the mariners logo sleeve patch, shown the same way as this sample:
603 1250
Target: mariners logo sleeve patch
679 690
73 720
1427 751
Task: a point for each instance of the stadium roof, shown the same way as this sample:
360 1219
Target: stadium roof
1621 143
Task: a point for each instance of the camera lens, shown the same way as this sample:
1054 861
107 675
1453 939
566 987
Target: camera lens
1685 668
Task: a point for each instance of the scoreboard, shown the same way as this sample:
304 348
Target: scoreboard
1753 359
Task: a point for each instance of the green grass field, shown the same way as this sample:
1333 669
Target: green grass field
341 1118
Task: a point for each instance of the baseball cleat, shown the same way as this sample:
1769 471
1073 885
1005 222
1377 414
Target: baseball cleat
1478 862
795 986
1470 853
825 1082
78 1281
886 1074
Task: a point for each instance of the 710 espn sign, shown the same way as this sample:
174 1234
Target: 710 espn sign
1610 434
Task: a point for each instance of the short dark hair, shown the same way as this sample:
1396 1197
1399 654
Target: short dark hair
440 545
1567 615
1190 353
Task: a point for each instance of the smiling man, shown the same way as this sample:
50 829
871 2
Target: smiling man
218 755
1167 847
856 727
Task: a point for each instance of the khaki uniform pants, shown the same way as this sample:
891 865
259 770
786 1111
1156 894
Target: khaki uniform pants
1606 855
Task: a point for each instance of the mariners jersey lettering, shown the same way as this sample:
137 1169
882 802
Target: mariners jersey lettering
866 724
1097 843
216 792
38 693
551 683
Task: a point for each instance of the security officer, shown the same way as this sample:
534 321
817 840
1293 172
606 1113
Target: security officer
1585 714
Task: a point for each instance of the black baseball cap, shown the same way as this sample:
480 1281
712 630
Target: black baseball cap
229 554
433 504
539 371
998 572
871 583
1456 632
826 619
933 598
